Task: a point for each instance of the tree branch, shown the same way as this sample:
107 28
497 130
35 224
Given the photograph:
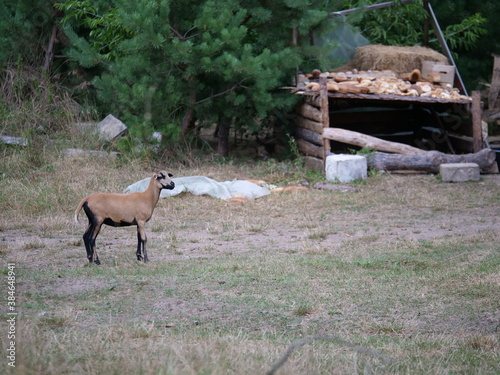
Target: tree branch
232 88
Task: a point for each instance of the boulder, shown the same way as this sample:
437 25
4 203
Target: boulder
111 128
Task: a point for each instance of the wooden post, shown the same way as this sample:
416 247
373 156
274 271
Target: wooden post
325 117
495 83
477 127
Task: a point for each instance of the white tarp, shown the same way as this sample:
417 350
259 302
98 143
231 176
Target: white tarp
200 185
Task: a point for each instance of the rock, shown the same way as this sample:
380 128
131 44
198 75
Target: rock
111 128
13 140
324 185
346 168
459 172
77 152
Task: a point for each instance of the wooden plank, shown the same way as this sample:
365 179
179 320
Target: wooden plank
309 112
495 83
363 140
310 149
477 127
312 98
325 117
309 136
308 124
395 98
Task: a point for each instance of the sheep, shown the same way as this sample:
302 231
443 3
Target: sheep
119 210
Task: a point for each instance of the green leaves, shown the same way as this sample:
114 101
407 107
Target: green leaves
211 59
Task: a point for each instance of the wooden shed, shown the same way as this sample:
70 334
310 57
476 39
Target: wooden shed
342 117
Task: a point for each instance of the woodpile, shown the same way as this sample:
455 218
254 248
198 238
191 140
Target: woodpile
411 84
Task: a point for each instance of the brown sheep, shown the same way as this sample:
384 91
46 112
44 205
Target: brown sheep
120 210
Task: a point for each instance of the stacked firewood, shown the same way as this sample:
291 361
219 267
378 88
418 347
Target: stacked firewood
383 82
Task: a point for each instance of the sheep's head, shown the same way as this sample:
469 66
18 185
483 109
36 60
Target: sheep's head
163 178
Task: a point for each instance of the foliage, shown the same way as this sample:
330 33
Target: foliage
397 25
25 28
466 34
103 28
167 63
402 24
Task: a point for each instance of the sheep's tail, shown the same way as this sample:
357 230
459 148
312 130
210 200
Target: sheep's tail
79 208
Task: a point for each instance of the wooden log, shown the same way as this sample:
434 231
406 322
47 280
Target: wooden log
430 161
325 116
307 148
495 83
309 112
313 100
477 127
309 124
309 136
363 140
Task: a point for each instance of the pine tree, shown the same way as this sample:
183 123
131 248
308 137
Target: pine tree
25 29
213 61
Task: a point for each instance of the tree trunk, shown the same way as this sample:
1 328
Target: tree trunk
188 117
49 55
429 161
223 136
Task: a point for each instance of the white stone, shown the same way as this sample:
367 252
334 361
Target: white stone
111 128
459 172
76 152
346 168
14 140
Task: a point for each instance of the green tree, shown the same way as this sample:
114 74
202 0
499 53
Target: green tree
25 31
167 63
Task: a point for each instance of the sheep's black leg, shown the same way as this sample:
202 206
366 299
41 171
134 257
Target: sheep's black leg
141 243
138 253
91 234
86 239
97 229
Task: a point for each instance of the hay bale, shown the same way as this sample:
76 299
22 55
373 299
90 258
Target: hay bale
398 59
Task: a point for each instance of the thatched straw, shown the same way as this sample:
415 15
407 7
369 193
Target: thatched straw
398 59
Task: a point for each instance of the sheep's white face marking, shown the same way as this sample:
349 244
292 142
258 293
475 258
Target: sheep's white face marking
163 178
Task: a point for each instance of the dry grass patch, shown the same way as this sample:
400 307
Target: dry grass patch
400 268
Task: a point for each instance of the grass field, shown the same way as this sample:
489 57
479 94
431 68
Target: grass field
401 276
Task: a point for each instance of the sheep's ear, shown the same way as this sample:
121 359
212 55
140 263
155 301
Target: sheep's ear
170 175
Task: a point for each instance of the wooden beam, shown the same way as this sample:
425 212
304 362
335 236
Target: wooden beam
309 136
310 149
309 112
363 140
309 124
477 126
495 83
325 117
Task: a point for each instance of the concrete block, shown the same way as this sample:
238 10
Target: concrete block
345 168
459 172
111 128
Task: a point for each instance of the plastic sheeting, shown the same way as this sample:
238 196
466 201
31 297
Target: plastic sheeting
201 185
